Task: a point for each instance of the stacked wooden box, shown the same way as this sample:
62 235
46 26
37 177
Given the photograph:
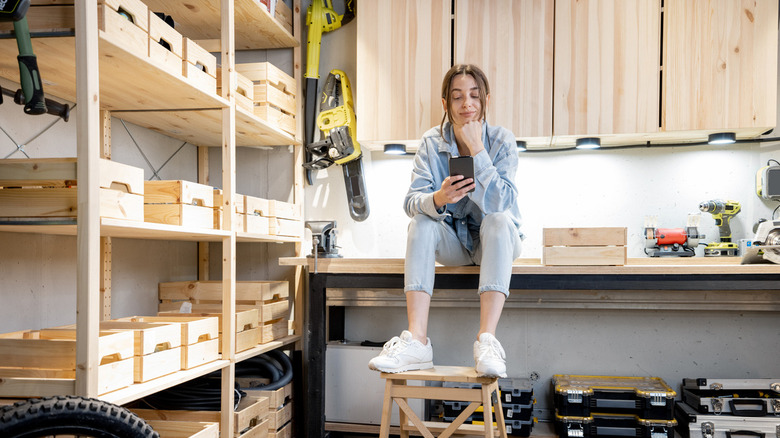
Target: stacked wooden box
250 418
280 410
51 354
274 94
178 202
185 429
199 337
584 246
281 12
244 91
156 350
261 216
270 298
130 25
248 330
46 188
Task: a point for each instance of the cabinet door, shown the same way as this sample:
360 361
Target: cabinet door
512 42
720 64
403 52
607 55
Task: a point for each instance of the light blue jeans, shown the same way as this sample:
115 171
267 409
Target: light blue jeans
431 241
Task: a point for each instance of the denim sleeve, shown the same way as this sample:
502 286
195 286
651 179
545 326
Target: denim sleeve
495 176
419 198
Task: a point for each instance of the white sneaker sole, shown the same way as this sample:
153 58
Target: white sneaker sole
409 367
491 373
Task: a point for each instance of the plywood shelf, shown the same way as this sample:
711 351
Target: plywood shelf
255 28
128 229
250 237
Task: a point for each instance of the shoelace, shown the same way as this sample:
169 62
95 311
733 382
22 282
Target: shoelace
491 348
392 346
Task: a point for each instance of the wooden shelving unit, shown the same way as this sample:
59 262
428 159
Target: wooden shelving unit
90 70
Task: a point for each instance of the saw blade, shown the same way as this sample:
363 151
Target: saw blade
772 254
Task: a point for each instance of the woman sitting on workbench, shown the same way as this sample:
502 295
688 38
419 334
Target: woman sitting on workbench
459 221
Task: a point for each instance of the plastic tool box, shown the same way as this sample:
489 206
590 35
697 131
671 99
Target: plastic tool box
612 425
693 424
649 398
740 397
516 391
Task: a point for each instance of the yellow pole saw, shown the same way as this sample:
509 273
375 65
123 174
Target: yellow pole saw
337 122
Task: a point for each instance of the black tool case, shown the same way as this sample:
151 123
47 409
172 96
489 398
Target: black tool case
612 425
693 424
741 397
649 398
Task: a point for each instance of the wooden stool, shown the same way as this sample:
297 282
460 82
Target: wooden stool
397 390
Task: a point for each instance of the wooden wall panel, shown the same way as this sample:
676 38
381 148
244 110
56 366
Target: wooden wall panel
607 56
512 41
720 64
403 52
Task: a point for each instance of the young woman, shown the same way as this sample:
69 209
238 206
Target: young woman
454 226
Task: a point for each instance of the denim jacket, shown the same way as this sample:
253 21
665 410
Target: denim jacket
494 174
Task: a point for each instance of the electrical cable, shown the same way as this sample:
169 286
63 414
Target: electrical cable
651 145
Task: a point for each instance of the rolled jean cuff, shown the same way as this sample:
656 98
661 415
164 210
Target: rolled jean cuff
496 288
417 287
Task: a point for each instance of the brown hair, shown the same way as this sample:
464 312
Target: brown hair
482 85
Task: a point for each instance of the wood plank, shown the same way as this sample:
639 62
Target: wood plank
178 192
584 255
580 236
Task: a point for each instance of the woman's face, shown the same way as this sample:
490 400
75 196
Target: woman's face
464 99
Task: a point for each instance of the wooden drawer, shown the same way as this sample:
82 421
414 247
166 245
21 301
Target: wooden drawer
252 223
283 14
178 192
63 202
275 310
62 172
257 206
179 214
194 329
157 364
285 432
199 67
244 94
246 318
169 60
274 330
280 417
266 93
265 72
199 353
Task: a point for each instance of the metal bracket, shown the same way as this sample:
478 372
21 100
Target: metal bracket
574 395
707 430
657 399
659 432
574 433
716 386
717 406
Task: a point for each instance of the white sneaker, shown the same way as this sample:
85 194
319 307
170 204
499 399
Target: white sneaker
489 356
403 353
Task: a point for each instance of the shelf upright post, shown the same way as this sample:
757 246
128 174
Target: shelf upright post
88 213
298 191
228 47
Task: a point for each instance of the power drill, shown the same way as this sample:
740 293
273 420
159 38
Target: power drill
722 212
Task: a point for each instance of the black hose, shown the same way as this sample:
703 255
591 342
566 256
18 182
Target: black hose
284 377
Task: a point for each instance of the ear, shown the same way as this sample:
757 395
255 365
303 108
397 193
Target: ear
444 104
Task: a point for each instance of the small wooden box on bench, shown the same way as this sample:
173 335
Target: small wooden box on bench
584 246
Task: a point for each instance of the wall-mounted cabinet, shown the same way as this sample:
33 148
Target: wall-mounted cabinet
403 52
720 66
627 71
512 42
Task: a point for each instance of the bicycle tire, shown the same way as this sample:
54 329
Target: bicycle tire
71 415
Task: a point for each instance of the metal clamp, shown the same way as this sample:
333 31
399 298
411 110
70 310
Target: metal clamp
717 406
716 386
574 395
707 430
659 432
775 402
657 399
574 433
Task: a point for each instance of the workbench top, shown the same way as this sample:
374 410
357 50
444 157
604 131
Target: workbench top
635 266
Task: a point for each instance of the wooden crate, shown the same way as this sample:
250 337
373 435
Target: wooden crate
169 60
62 172
265 72
266 93
283 14
276 398
248 330
199 337
286 227
199 67
178 192
275 117
131 34
274 330
51 353
63 202
179 214
210 292
584 246
279 417
257 206
250 417
285 210
285 432
252 223
244 94
185 429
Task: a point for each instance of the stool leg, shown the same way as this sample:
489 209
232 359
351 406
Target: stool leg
387 406
488 412
500 421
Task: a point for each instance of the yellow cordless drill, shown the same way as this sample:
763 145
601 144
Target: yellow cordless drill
722 212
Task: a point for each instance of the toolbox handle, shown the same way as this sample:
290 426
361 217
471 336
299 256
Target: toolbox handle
615 404
759 412
729 433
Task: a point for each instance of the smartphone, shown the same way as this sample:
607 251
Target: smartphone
462 166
